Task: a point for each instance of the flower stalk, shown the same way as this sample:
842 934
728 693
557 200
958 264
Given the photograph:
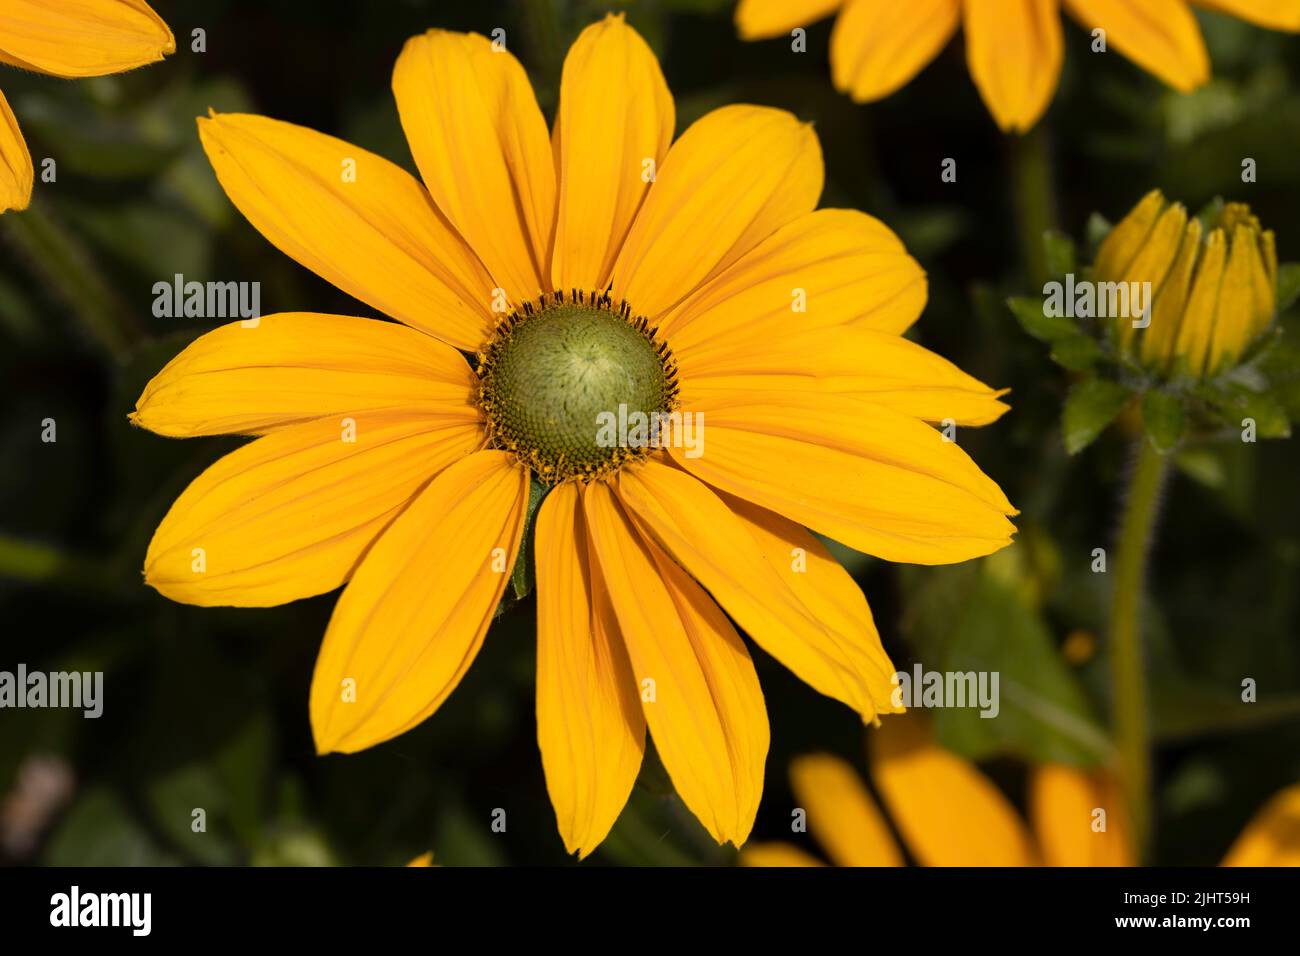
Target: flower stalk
1127 671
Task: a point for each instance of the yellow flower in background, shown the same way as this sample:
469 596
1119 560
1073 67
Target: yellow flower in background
950 814
1214 287
590 270
423 860
1014 47
70 39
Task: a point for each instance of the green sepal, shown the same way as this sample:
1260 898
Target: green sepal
522 576
1164 419
1090 407
1046 328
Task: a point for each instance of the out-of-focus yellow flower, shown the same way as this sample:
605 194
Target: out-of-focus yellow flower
1014 47
1214 287
950 814
424 859
71 39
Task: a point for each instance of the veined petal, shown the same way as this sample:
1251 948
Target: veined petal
731 180
879 367
296 366
824 270
948 813
290 515
864 475
1274 14
481 143
841 814
1240 313
1159 339
1014 49
356 220
877 47
1063 805
15 162
1272 837
759 19
74 38
1123 244
1197 329
776 854
1161 36
760 588
698 688
413 617
589 723
616 115
1154 260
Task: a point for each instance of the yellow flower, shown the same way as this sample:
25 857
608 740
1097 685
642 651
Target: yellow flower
1213 294
950 814
71 39
389 463
1014 47
424 859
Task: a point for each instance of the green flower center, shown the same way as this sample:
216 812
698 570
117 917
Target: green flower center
561 372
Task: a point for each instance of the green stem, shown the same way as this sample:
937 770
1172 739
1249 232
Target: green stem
1128 682
1035 207
69 272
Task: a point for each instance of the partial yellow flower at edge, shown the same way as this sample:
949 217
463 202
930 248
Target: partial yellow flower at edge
69 39
1013 47
424 859
1272 837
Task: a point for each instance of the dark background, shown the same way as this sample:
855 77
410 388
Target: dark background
208 707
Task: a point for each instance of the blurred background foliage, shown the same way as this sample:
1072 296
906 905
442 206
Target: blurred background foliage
208 708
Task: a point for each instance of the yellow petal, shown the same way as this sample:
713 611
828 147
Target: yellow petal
1274 14
290 515
1161 36
842 815
413 617
825 270
1063 805
1235 319
481 143
731 180
1160 338
1197 330
356 220
776 854
840 656
589 723
878 367
864 475
75 38
15 162
1122 245
296 366
758 19
616 116
1014 49
877 47
1272 837
424 859
1154 260
697 684
948 813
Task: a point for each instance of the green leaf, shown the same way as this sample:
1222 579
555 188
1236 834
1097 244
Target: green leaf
964 619
1288 285
1162 414
1090 407
1078 353
1059 252
1098 229
1046 328
1236 403
521 576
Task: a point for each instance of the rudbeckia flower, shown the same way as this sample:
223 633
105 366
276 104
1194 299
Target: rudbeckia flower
71 39
597 271
950 814
1014 47
1214 284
